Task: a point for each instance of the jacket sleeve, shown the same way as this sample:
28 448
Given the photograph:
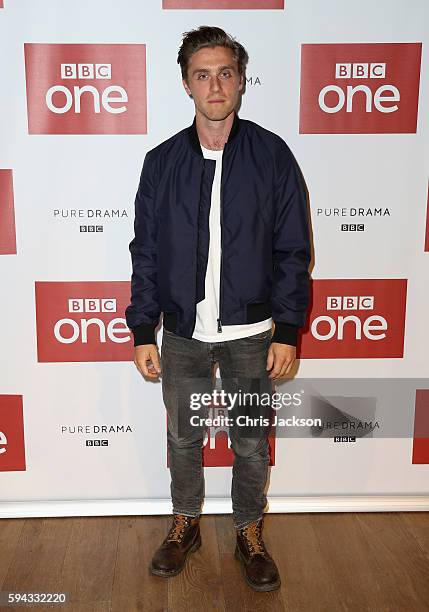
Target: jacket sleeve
291 249
142 314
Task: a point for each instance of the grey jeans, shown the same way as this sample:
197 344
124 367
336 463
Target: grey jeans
187 368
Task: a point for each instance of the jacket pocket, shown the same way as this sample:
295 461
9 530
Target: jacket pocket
258 311
169 320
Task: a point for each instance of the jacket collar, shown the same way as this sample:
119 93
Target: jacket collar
195 141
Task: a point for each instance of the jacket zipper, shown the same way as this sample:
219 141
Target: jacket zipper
198 242
219 321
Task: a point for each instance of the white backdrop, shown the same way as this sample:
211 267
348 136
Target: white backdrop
64 172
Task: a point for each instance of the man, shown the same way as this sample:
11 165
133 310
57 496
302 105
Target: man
222 249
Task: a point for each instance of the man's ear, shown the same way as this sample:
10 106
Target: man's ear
185 85
241 85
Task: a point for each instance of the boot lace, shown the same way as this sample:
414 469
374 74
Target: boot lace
177 530
253 537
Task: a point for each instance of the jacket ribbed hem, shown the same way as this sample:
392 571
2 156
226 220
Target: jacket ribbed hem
285 333
144 334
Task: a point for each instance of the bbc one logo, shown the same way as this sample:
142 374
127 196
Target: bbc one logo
7 214
86 89
223 4
426 246
82 321
356 318
359 88
421 428
12 443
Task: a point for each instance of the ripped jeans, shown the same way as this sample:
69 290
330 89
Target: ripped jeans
187 368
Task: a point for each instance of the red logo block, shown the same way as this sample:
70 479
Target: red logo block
359 88
223 4
421 427
356 318
217 453
7 214
83 321
86 89
12 448
216 449
427 224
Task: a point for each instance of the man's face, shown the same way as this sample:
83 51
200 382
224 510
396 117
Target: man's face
214 82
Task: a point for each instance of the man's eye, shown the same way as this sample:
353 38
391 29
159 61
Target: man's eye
228 74
202 75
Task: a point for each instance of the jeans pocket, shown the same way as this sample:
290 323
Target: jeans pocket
168 332
261 337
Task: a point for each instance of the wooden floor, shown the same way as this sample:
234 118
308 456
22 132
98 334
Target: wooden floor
327 561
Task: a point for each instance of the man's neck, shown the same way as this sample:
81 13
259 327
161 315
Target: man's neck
214 134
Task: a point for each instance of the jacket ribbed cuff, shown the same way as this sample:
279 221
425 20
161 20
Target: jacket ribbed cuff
285 333
144 334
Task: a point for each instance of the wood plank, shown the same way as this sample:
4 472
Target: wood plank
417 524
238 594
39 555
327 561
403 568
345 551
134 587
308 582
10 534
90 559
225 533
198 588
96 606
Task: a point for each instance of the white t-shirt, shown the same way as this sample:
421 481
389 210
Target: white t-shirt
208 309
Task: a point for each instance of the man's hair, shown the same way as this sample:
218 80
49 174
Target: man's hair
208 36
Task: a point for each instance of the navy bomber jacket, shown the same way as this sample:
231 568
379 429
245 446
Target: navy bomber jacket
265 238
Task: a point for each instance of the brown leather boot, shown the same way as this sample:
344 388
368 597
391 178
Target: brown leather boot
183 538
259 568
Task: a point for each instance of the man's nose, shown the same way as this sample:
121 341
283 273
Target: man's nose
215 83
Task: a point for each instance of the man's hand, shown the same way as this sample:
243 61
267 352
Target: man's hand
147 361
280 359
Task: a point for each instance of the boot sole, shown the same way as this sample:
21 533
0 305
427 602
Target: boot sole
255 586
167 574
